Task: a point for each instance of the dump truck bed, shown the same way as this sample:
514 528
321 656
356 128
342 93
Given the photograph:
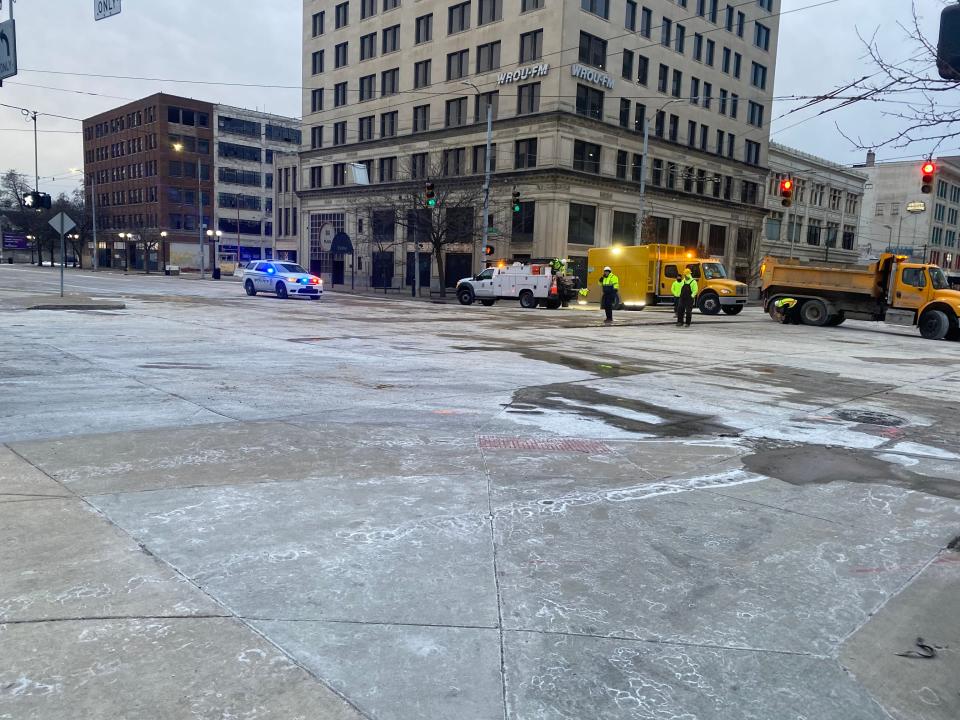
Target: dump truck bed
846 279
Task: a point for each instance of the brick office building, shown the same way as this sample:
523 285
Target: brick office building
144 186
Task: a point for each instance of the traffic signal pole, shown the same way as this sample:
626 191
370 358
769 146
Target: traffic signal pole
486 187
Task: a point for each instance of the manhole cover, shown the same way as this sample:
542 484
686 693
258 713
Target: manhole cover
870 417
486 442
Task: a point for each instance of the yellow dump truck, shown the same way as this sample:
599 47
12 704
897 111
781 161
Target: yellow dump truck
647 273
891 289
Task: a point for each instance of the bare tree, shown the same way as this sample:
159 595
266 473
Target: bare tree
912 84
381 236
452 223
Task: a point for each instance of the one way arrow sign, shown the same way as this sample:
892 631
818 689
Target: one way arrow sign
8 49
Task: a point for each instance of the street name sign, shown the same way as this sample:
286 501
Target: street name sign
62 223
8 49
105 8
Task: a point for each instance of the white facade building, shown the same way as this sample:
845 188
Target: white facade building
403 89
900 217
822 222
247 143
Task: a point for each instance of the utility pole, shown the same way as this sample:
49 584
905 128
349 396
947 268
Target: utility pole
203 247
93 197
638 227
486 186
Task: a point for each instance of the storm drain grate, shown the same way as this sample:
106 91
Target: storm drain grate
487 442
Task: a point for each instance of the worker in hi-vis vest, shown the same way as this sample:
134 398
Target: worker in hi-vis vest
788 310
685 291
610 284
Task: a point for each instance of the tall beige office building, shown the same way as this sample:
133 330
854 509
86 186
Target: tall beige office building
402 86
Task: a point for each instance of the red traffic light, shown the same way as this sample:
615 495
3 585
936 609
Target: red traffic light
786 185
928 168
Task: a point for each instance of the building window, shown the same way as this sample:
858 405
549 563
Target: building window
489 11
316 100
458 64
421 118
389 82
388 124
711 51
317 62
680 38
674 127
758 76
754 114
523 223
725 63
582 224
586 156
624 112
456 112
695 91
734 104
480 158
388 169
639 117
424 29
368 46
677 87
528 98
390 4
589 102
624 228
342 15
316 177
339 174
766 4
418 166
458 18
531 45
488 57
421 74
527 5
761 37
454 162
391 40
318 23
365 128
340 133
751 152
485 100
622 164
691 133
368 85
646 22
666 32
722 109
636 170
593 50
707 95
737 62
630 21
367 8
643 68
525 153
698 47
316 137
663 78
597 7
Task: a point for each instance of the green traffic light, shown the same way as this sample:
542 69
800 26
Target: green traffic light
516 208
432 202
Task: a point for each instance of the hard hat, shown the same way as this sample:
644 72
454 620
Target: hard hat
608 269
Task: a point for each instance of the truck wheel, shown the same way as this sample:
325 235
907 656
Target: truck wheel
772 311
953 334
487 302
934 325
527 300
553 304
732 309
465 296
835 320
709 304
814 312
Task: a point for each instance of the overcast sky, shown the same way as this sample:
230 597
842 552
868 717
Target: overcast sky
247 41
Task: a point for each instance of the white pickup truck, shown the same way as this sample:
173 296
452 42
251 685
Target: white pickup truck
532 285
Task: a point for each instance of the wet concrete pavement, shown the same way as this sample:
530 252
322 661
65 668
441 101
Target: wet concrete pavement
218 506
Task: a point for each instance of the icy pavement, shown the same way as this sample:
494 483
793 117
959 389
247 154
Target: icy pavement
215 506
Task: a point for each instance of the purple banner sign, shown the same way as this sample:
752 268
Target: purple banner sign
15 242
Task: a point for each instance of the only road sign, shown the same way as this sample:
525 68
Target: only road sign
8 49
105 8
62 223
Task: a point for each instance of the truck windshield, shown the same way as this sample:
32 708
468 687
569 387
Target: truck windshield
713 271
937 279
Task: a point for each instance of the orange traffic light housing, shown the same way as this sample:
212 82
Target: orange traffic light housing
786 192
927 171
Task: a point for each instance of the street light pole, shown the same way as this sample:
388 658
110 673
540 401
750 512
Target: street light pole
486 177
638 228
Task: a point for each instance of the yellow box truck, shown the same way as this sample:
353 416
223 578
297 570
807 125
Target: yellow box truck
892 289
647 273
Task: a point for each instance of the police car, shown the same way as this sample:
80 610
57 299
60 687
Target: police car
286 279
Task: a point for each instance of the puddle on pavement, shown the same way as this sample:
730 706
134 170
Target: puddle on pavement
934 362
819 465
175 366
604 369
625 414
808 386
869 417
